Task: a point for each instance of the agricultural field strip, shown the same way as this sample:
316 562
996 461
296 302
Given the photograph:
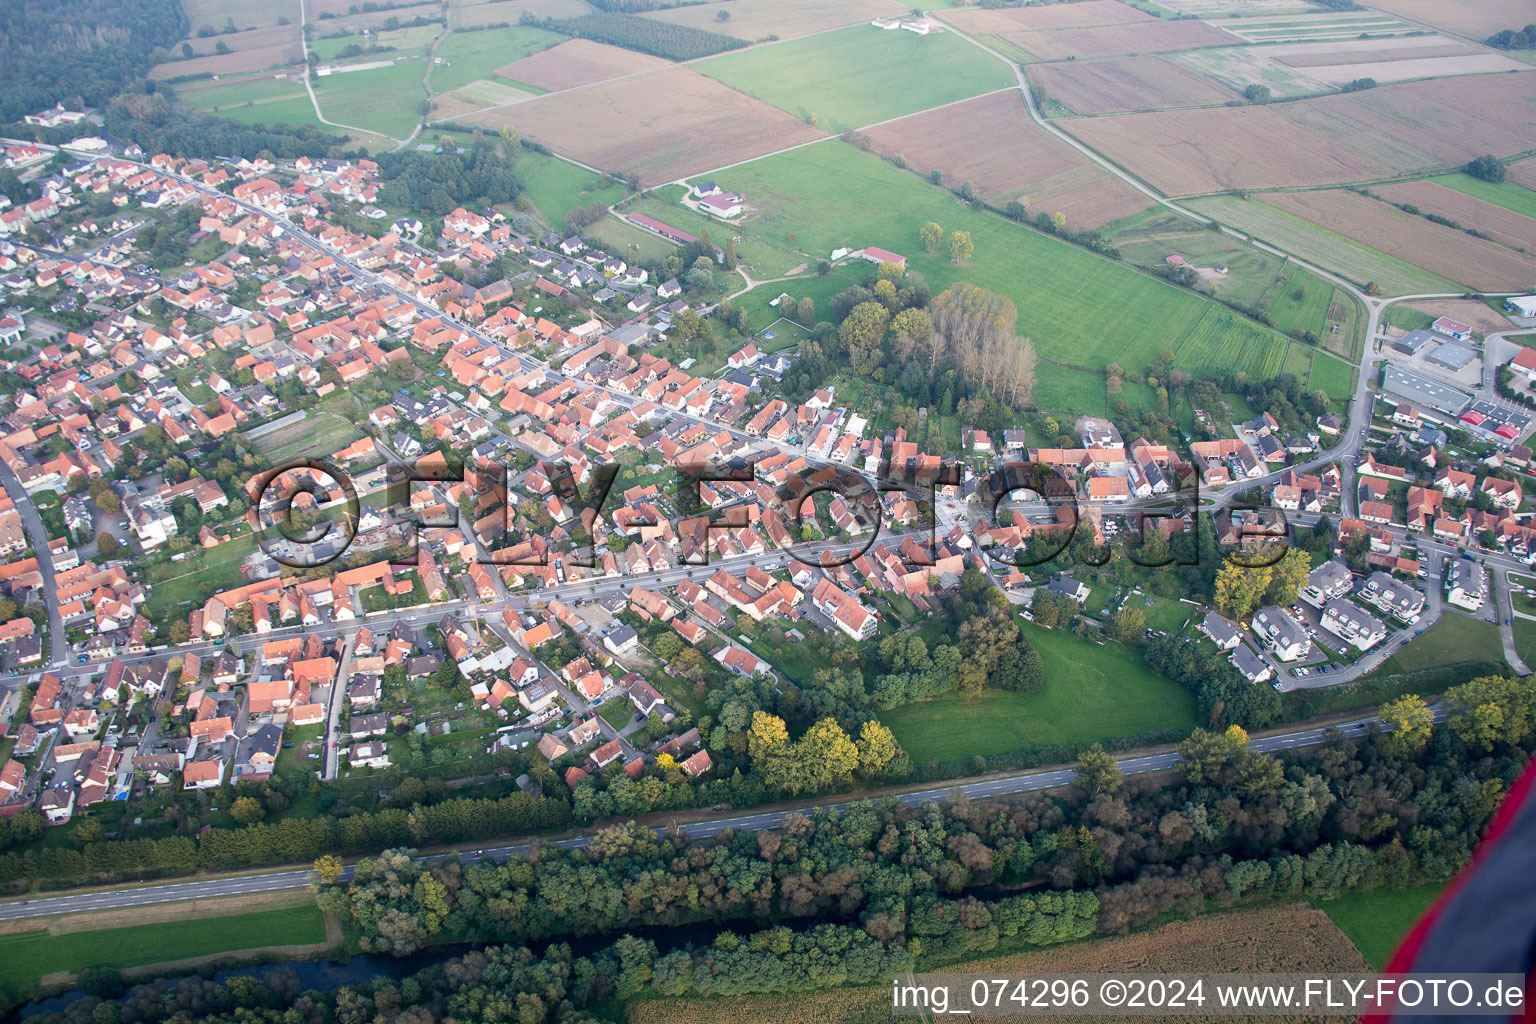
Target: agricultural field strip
863 128
669 66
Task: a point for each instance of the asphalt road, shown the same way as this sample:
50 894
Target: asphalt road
112 899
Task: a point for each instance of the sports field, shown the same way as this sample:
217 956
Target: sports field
1091 693
1333 252
1078 308
28 956
470 56
860 75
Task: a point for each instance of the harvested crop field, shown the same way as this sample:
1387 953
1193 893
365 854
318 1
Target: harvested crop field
248 39
1494 221
576 63
662 126
1337 139
1238 67
1476 18
754 20
1418 67
476 95
1083 14
1118 40
1319 26
493 11
1523 173
1131 83
1349 259
992 143
1483 265
1268 939
1367 51
238 61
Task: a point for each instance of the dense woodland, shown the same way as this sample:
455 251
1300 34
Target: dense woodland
892 888
85 50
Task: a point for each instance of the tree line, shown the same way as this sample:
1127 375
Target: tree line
847 898
658 38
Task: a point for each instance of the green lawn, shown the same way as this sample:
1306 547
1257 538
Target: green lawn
1148 238
1525 641
1377 921
1068 390
1333 375
1408 318
624 240
198 578
1091 693
819 290
1343 256
218 98
765 257
295 110
1454 639
1299 301
471 56
28 956
859 76
1515 198
617 712
386 100
1079 309
556 187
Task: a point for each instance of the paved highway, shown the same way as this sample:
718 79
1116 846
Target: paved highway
237 885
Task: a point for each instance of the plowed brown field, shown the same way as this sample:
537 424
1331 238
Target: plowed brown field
1494 221
1378 133
663 126
1132 83
992 143
577 62
1486 266
1118 40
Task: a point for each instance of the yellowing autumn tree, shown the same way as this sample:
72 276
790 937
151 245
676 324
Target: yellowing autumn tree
1239 590
877 748
961 248
932 235
1410 722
